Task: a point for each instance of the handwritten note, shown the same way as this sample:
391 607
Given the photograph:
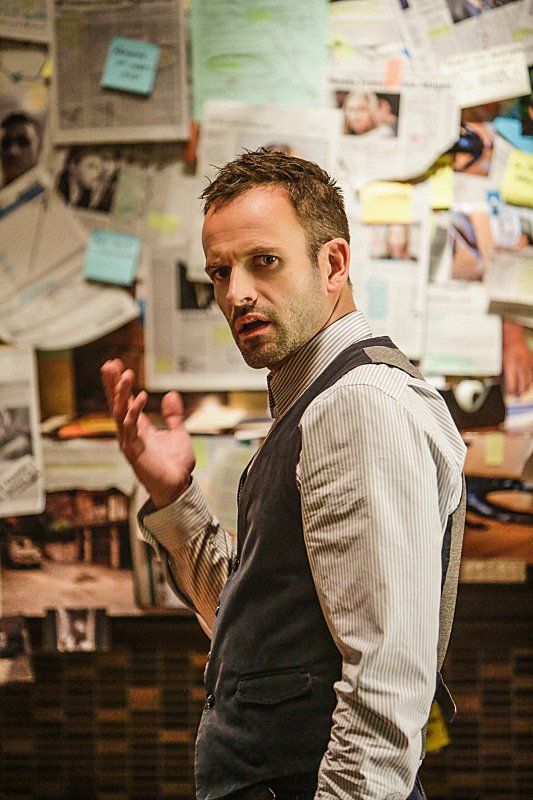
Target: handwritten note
131 66
112 257
517 184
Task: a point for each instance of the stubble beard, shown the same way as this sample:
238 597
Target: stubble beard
284 337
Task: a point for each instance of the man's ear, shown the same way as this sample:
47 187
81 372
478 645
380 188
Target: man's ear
337 254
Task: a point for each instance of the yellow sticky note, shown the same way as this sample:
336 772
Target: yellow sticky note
494 449
387 202
517 184
165 223
441 188
437 734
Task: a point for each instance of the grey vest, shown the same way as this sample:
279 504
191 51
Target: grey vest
270 675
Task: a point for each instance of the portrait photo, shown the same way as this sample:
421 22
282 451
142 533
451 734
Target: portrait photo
370 114
396 242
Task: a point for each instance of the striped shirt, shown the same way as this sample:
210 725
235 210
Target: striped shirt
379 472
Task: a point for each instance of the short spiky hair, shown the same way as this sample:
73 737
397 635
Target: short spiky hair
316 198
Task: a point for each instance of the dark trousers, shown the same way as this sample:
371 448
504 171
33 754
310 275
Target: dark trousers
288 789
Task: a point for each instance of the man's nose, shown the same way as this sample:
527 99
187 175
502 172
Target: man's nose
241 288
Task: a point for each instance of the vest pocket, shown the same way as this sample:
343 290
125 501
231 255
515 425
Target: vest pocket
267 690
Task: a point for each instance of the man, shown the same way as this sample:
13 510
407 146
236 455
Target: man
20 143
325 619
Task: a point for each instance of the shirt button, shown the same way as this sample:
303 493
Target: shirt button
209 701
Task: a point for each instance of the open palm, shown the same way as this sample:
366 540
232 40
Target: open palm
162 458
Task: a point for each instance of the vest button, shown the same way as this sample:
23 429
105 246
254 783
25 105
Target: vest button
209 701
217 609
236 562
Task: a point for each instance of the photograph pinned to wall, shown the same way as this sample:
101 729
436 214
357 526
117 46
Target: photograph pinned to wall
466 9
89 177
476 232
23 108
397 242
369 114
21 465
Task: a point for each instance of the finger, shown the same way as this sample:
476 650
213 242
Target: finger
123 391
111 371
172 410
130 427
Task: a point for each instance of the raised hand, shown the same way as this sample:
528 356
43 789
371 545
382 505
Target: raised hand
162 459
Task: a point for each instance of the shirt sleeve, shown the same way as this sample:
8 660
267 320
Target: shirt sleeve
370 509
194 547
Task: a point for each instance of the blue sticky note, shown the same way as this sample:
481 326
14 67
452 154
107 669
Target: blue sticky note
377 295
131 65
511 129
112 257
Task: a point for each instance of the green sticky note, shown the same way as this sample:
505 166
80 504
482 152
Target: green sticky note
131 66
112 257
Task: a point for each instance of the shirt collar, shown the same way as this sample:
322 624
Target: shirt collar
289 382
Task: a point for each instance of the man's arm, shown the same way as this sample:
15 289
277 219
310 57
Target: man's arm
176 520
194 547
373 532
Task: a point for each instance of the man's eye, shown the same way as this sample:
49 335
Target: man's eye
219 274
267 260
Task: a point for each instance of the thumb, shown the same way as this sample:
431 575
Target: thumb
172 409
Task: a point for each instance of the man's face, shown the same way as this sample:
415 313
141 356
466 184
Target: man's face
272 296
19 148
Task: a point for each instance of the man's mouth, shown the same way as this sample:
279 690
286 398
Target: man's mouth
251 324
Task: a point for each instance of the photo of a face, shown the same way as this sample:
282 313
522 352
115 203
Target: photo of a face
369 113
396 242
89 177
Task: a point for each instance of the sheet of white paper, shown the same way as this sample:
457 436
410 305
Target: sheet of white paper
21 462
434 30
82 110
94 465
360 23
45 301
189 345
488 75
395 126
461 338
389 274
229 128
258 51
